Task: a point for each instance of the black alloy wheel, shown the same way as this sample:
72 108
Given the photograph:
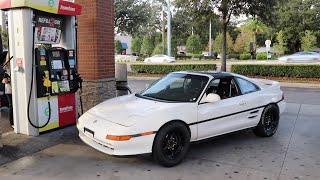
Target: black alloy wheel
269 122
171 144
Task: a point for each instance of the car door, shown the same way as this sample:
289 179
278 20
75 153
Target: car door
251 102
223 116
220 117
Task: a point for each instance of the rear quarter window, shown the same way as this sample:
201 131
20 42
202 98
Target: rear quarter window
246 87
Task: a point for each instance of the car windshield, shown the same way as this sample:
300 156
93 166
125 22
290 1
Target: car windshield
176 87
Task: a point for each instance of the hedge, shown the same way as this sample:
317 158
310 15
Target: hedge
168 68
293 71
245 56
200 57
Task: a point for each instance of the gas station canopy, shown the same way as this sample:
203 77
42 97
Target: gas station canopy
51 6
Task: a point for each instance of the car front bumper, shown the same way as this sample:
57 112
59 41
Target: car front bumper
134 146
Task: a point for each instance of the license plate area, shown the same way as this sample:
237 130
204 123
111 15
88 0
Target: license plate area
88 132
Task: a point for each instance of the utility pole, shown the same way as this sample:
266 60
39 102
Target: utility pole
210 38
169 27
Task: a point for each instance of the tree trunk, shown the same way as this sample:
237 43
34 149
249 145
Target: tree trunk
224 49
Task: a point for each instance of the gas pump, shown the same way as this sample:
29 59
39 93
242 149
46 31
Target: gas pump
45 77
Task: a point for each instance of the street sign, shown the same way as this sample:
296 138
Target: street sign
268 43
268 48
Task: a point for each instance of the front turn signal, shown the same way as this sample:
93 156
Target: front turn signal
118 138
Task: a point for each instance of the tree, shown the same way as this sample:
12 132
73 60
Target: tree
5 37
254 27
218 43
186 22
194 45
136 17
118 47
294 17
242 43
136 45
228 8
158 49
281 45
147 46
308 41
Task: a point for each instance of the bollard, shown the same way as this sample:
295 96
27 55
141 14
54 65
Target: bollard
121 75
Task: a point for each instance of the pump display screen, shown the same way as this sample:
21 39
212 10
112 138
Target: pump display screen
48 29
56 54
56 64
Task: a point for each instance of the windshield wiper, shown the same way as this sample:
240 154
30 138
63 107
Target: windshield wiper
159 99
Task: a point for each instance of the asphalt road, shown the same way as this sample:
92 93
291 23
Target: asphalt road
293 153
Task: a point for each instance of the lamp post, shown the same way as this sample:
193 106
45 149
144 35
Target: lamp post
210 38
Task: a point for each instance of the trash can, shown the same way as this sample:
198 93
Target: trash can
121 75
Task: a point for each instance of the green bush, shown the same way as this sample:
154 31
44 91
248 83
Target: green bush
233 56
158 49
245 56
197 56
136 45
118 47
293 71
261 56
147 46
183 58
168 68
209 58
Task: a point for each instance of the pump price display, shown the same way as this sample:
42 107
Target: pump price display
56 54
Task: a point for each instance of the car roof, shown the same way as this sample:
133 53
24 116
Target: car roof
213 74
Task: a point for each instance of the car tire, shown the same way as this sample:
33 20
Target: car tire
269 122
171 144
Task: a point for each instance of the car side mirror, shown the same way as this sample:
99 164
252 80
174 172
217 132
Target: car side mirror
211 98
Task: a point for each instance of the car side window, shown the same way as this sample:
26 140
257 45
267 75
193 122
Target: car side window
224 87
246 87
213 86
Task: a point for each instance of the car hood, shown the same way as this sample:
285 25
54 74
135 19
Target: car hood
127 110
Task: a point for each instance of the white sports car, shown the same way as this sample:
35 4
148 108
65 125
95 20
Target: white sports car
180 108
160 59
301 57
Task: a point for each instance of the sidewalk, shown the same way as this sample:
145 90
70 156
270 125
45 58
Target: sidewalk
283 84
17 146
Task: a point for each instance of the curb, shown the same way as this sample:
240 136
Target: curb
282 84
300 85
143 78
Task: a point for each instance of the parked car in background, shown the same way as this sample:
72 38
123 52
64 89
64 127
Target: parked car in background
160 58
181 108
301 57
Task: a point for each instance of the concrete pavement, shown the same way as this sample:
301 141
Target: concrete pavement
293 153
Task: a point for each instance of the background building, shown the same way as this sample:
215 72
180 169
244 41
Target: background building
125 42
